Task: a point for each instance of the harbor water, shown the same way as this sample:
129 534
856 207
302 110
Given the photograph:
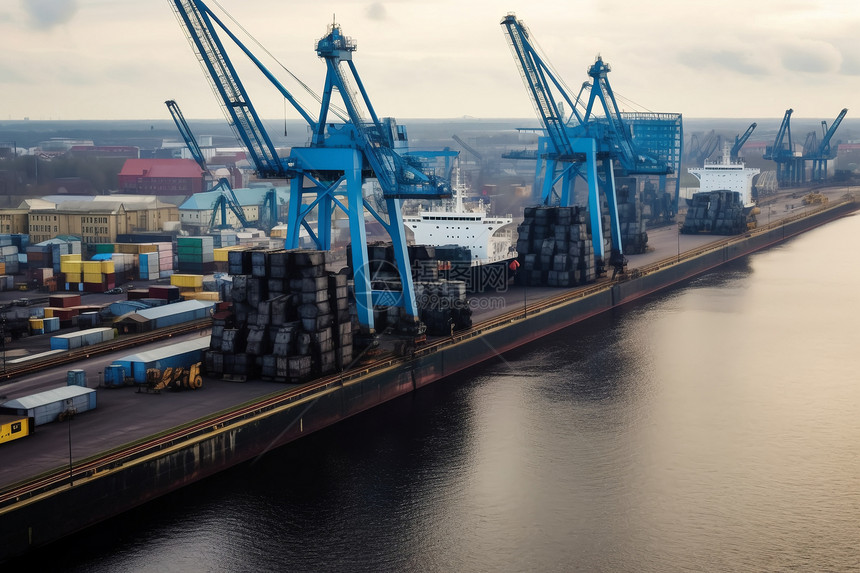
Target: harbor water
712 427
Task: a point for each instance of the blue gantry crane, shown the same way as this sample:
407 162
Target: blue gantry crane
789 164
820 154
341 157
227 199
583 145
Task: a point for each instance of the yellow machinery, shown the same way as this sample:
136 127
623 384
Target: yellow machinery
174 378
815 198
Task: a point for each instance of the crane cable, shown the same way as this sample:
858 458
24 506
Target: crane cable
336 110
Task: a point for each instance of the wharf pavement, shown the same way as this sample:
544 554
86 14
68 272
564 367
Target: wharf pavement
123 415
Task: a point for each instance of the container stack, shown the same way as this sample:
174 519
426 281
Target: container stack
196 255
289 318
221 255
9 259
224 238
59 249
555 247
88 276
187 284
147 261
44 325
39 256
169 293
716 213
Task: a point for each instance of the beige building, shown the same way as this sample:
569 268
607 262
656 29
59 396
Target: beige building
99 219
14 221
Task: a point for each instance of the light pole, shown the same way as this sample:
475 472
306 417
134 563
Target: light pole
69 418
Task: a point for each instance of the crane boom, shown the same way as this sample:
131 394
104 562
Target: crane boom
824 149
186 134
540 81
735 151
197 22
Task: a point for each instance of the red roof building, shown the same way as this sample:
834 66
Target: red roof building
161 177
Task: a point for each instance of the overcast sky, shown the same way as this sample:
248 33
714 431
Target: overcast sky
120 59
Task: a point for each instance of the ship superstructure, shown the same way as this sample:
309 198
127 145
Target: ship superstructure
726 175
490 239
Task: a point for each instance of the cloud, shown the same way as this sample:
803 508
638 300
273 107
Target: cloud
739 62
815 57
376 11
850 65
45 14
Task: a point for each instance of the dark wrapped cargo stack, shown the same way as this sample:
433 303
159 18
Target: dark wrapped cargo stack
555 248
291 318
716 213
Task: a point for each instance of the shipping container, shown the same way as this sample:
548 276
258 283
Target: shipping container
81 338
186 281
181 355
13 426
64 300
76 378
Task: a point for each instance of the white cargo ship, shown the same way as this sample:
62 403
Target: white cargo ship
726 175
489 239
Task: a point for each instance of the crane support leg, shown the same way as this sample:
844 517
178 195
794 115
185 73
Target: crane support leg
612 203
358 238
294 212
401 256
324 221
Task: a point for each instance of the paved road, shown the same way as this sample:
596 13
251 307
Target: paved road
122 415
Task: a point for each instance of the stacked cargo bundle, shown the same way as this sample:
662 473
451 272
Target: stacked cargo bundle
437 308
442 306
634 237
555 248
717 213
290 318
196 255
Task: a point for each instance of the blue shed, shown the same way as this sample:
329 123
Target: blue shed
45 407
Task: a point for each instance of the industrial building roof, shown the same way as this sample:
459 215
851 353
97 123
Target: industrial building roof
47 397
247 196
160 168
174 308
165 351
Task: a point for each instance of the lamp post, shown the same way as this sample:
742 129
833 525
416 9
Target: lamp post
68 413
